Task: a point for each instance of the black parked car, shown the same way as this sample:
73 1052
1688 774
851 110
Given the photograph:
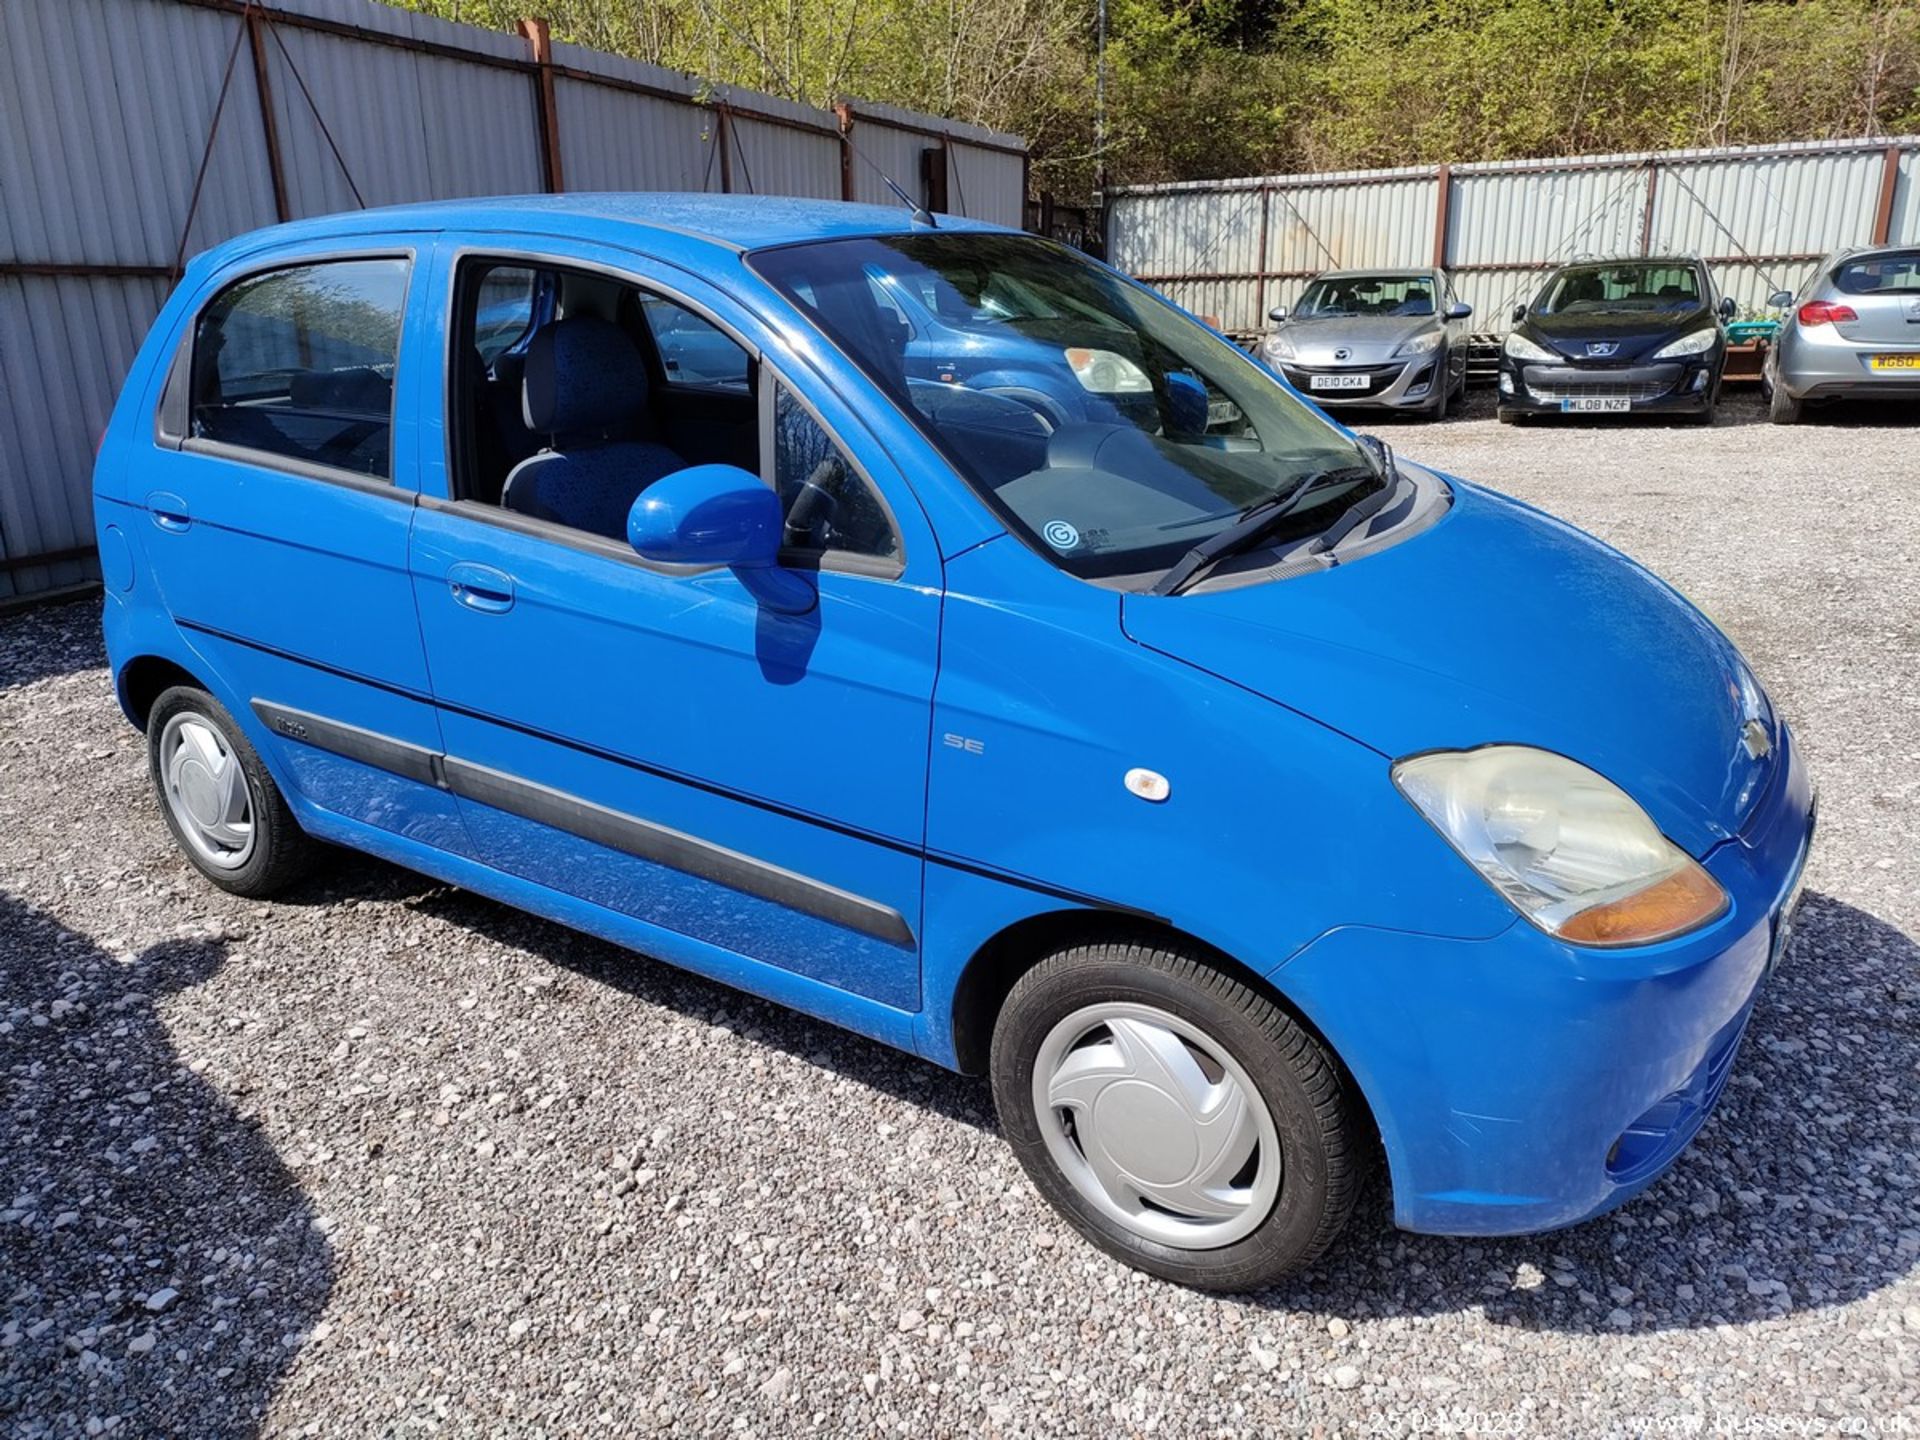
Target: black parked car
1618 335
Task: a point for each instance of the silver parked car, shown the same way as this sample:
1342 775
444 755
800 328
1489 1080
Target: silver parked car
1855 332
1393 338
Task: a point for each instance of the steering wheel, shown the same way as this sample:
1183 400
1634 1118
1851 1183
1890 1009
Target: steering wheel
810 517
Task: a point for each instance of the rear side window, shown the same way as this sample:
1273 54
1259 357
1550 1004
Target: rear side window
299 363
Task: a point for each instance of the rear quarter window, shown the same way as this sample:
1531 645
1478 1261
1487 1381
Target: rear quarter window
299 363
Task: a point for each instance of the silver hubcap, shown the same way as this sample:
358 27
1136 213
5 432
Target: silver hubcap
1157 1125
206 790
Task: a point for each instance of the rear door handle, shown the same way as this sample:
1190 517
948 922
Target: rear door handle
481 587
168 510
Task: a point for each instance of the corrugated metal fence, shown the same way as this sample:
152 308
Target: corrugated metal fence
105 111
1761 216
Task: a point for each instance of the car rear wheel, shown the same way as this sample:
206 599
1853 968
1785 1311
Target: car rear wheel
1179 1119
1782 408
222 806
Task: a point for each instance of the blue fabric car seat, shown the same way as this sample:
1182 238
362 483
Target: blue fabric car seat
585 390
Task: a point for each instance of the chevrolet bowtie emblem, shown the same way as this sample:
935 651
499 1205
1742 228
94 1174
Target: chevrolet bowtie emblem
1754 736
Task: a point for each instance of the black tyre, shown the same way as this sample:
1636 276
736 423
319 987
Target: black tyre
1782 408
226 814
1439 410
1178 1118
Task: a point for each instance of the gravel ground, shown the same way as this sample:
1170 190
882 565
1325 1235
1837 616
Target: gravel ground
385 1157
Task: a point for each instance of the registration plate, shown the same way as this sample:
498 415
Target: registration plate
1337 382
1789 909
1894 362
1608 406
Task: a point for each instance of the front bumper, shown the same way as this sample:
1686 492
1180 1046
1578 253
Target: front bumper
1521 1084
1402 384
1655 387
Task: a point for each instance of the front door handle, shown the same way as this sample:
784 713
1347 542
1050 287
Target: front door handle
481 587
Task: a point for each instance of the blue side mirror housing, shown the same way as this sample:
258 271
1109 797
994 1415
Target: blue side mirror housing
719 515
1459 310
1186 404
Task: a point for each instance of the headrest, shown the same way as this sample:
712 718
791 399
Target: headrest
582 374
361 389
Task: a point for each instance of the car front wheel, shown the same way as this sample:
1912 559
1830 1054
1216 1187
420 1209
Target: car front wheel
225 812
1178 1118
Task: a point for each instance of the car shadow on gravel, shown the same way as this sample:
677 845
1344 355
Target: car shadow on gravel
657 982
1801 1192
52 640
161 1265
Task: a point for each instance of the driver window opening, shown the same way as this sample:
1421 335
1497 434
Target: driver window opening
573 392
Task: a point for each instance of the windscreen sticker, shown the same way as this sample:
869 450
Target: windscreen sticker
1060 535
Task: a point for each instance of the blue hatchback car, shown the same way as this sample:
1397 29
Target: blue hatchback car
1246 802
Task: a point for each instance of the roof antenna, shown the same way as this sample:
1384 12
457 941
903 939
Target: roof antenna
921 215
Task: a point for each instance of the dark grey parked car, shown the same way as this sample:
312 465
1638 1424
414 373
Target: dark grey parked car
1854 333
1390 338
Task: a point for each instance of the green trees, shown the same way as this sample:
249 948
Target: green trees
1207 88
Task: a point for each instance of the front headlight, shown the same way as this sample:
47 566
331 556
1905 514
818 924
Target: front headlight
1569 849
1278 347
1521 348
1697 343
1422 343
1101 372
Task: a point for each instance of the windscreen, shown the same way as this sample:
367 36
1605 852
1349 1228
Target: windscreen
1109 430
1600 289
1357 295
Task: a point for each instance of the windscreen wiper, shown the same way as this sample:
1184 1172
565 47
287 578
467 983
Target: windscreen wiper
1247 531
1359 513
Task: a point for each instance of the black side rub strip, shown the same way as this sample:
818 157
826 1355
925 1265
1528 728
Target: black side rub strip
675 849
383 752
616 830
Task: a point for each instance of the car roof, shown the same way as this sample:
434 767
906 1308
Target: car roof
1593 262
726 222
1381 271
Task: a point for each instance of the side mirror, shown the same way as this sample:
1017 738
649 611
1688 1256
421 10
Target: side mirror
1277 314
1187 408
1519 313
1381 452
1727 308
719 515
1459 311
1780 299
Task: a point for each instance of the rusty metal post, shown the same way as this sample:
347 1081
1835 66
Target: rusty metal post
1442 215
1260 275
1883 211
270 127
1646 218
845 113
539 38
